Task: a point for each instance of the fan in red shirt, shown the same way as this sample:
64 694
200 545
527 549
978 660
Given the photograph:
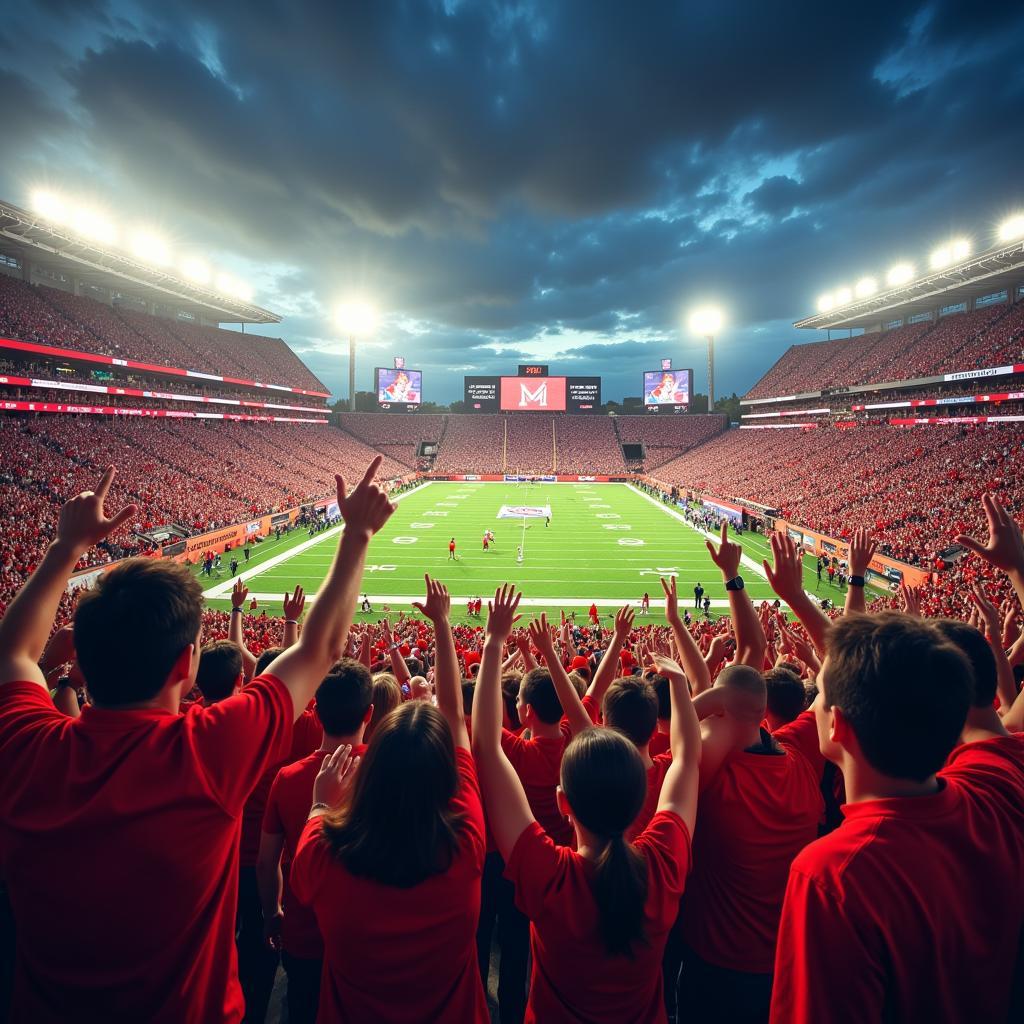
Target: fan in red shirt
600 917
392 869
594 618
148 799
344 707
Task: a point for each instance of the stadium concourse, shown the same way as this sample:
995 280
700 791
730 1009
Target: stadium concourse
227 452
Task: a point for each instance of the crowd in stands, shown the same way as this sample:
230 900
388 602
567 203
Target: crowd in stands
52 316
917 490
990 336
665 437
530 443
397 434
587 445
472 444
768 817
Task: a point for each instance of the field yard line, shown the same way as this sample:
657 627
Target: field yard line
223 589
529 602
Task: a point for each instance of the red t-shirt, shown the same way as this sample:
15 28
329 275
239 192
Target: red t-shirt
400 955
574 978
659 744
655 779
307 735
287 811
911 910
451 546
538 763
119 840
758 812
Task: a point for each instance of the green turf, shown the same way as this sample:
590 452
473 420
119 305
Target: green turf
577 559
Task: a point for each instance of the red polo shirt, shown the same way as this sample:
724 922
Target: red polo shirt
911 909
119 842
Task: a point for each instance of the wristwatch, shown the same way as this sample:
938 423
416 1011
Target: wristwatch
736 583
856 581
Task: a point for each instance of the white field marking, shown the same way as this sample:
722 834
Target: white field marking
608 515
528 602
631 542
435 513
744 559
221 589
422 526
617 526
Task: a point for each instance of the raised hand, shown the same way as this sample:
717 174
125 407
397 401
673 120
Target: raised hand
366 509
336 775
1005 547
540 634
293 604
501 612
862 550
239 592
83 522
727 557
987 612
624 622
786 576
667 667
910 598
671 600
437 603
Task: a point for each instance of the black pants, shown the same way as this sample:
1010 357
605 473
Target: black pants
497 906
717 995
257 963
303 988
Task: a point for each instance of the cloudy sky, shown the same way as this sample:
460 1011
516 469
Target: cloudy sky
559 179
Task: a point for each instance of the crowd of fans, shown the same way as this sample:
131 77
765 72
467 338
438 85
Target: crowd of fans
54 317
666 437
787 817
990 336
397 434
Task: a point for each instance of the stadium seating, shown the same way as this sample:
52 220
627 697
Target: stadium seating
587 444
397 434
472 444
530 443
665 437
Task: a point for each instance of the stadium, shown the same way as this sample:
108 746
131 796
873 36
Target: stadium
547 702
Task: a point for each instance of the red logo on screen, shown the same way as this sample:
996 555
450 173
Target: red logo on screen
519 395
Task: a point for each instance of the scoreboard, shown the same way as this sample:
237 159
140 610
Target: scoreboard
533 370
533 392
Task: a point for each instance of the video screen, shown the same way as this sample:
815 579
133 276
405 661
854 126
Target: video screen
667 388
536 394
399 387
481 394
583 394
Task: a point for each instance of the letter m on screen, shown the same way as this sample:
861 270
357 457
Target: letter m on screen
533 398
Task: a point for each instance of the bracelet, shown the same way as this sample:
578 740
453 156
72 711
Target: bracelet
319 806
291 622
234 609
856 581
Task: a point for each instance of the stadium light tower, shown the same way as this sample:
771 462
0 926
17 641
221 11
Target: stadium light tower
707 322
356 319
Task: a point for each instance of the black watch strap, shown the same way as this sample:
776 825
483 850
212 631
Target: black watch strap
856 581
736 583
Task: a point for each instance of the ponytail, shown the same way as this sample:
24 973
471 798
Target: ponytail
620 891
605 784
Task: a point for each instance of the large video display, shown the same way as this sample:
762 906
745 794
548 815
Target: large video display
399 390
482 394
667 389
583 394
533 394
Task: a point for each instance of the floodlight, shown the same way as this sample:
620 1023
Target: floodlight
706 321
356 317
941 257
866 286
961 249
92 224
843 296
243 291
900 274
826 302
1012 228
952 252
226 284
196 270
150 248
49 205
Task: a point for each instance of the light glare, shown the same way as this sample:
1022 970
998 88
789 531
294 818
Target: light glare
92 224
1012 228
356 317
843 296
150 248
706 321
49 205
866 286
826 302
196 270
900 274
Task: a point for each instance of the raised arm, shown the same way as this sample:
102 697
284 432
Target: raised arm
786 578
862 550
302 667
236 633
608 671
28 620
679 790
508 811
1005 546
398 665
447 677
523 643
293 605
751 642
572 706
1006 687
689 653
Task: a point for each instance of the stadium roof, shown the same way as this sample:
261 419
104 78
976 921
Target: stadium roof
988 272
27 236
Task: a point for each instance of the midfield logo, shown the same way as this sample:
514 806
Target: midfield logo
538 396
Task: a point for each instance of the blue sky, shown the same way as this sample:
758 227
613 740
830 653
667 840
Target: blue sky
550 180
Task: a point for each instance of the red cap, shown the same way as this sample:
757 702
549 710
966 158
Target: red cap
579 662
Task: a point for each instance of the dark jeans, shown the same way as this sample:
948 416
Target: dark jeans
497 906
303 988
257 963
717 995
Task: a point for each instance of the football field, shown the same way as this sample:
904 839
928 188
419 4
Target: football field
606 543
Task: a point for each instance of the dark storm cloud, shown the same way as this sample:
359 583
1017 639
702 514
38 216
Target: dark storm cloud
535 177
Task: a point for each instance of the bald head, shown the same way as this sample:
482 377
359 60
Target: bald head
748 695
